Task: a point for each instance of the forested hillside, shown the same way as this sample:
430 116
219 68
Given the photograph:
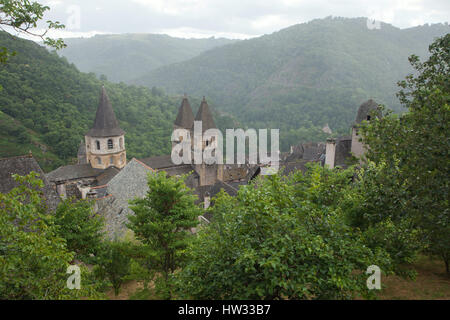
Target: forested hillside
123 57
47 105
304 76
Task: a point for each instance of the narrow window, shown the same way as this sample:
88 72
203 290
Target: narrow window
98 144
99 160
111 160
121 143
110 144
368 118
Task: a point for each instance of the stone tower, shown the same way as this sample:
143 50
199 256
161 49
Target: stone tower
364 114
185 118
105 142
209 174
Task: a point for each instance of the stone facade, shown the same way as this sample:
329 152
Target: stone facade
106 152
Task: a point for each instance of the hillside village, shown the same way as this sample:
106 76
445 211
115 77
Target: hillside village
103 174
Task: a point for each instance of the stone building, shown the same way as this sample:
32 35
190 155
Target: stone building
105 142
100 156
340 150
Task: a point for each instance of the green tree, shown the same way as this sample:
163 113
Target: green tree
33 258
162 220
23 16
80 226
415 148
280 238
114 263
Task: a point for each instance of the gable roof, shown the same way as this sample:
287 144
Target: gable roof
72 172
185 117
22 166
205 116
159 162
105 123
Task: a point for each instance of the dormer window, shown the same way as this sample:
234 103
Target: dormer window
98 144
110 144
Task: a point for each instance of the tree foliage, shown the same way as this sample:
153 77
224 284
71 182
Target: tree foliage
33 257
280 238
23 17
414 150
162 221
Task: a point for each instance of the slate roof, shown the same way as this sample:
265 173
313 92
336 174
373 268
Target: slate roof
185 117
73 172
291 167
22 166
204 114
364 110
105 124
343 151
306 151
158 162
106 176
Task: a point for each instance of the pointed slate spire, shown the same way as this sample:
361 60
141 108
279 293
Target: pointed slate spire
204 114
105 124
365 110
185 117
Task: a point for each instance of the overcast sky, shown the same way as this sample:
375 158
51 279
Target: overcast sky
229 18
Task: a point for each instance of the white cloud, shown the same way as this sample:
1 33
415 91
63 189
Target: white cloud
236 18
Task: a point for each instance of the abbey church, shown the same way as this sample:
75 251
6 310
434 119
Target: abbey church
104 174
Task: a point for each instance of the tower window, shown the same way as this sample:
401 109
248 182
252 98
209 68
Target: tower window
111 160
121 143
98 144
99 160
110 144
207 143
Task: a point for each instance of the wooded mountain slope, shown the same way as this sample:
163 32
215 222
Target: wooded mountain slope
304 76
123 57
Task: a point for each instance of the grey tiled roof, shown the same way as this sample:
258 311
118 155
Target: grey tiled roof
73 172
185 117
105 124
343 151
158 162
364 110
205 116
106 176
22 166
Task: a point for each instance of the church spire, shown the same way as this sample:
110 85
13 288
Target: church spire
204 114
105 124
185 117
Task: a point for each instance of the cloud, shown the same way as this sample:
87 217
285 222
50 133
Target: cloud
233 18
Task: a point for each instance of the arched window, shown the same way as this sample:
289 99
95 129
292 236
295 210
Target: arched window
121 143
98 144
110 144
99 160
111 160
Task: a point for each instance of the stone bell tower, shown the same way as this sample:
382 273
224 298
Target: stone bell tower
209 174
105 142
